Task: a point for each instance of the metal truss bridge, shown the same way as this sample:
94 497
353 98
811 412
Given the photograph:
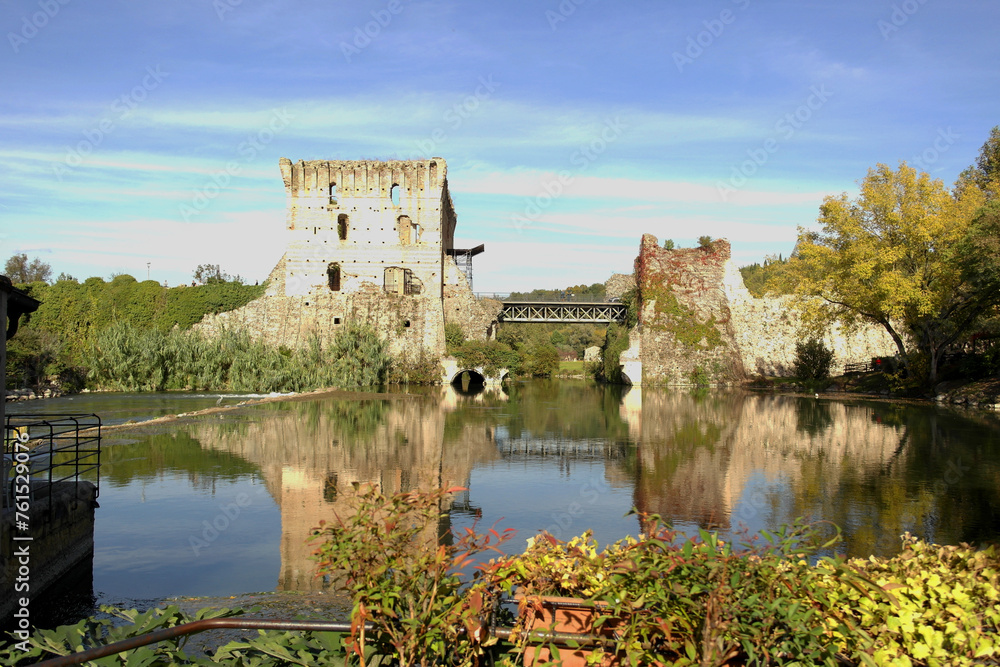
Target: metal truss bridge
562 311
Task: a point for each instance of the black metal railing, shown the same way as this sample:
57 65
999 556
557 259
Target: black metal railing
54 449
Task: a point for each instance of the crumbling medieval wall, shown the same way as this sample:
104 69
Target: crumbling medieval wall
477 317
697 318
768 329
619 283
685 326
367 242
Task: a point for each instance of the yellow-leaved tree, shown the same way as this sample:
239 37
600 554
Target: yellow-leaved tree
907 254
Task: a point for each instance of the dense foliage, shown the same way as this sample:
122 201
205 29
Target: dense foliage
776 598
593 292
615 342
55 340
402 581
764 279
126 358
909 255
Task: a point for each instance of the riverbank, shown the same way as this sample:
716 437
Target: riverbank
980 394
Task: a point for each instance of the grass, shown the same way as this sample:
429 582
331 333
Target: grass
572 367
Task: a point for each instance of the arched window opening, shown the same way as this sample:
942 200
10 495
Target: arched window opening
342 227
333 276
333 193
394 194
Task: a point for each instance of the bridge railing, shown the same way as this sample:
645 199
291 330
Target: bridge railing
523 297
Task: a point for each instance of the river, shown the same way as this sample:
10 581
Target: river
222 504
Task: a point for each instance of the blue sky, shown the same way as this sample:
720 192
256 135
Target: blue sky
135 132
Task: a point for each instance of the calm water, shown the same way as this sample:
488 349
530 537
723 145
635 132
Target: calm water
223 504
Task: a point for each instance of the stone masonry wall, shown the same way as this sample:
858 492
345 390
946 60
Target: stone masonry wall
696 315
768 329
684 318
477 317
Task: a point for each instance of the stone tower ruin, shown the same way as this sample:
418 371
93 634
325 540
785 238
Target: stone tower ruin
383 223
367 242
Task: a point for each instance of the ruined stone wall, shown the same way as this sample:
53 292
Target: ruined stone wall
477 317
768 329
618 284
409 326
696 315
685 326
345 212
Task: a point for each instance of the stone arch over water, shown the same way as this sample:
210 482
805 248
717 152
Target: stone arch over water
468 381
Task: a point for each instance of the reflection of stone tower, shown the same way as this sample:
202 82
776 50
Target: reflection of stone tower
367 242
310 455
696 458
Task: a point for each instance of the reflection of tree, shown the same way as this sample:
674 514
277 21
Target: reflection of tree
176 452
940 482
570 410
358 418
813 416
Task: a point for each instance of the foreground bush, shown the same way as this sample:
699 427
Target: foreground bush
777 599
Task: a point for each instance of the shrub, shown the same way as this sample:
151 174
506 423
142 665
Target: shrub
490 355
403 580
454 337
674 600
615 342
540 360
422 370
125 358
812 360
705 241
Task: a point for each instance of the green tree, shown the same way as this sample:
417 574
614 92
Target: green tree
894 257
213 273
985 174
812 360
541 360
766 278
21 271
